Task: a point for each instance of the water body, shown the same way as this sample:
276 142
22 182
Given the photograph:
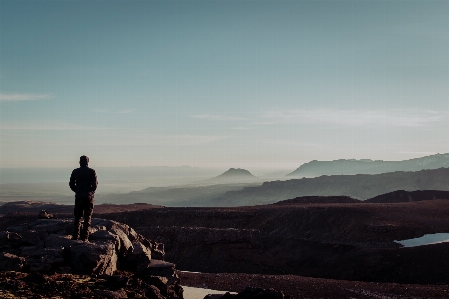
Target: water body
200 293
425 240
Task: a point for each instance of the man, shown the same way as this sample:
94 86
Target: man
83 182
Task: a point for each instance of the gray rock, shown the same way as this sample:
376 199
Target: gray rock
49 226
139 259
43 259
103 235
11 262
32 237
97 258
117 226
118 237
157 249
60 240
125 247
160 268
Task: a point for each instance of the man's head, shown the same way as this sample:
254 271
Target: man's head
84 161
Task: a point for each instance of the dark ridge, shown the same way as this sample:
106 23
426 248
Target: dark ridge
318 199
408 196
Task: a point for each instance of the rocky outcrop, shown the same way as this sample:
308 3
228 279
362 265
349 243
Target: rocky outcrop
45 246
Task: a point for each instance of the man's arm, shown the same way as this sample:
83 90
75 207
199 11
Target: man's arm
94 183
72 182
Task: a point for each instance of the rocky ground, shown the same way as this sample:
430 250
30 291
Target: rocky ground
64 285
305 250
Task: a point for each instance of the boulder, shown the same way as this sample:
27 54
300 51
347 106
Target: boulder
160 268
53 240
32 237
139 259
157 249
43 259
124 245
103 235
110 225
97 258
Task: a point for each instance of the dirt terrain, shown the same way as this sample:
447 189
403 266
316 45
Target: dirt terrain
351 241
307 287
319 250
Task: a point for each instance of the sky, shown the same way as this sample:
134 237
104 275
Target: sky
249 84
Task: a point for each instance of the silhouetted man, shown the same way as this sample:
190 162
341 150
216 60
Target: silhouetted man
83 182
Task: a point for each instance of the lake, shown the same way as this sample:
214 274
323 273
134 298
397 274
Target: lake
425 240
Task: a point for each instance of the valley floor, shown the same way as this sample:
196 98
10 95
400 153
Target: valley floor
306 287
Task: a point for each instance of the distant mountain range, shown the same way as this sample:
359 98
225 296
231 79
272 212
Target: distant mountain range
361 186
367 166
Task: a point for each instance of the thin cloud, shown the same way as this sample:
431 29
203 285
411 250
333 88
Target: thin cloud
241 128
191 139
125 111
145 139
421 153
47 127
392 117
17 97
218 117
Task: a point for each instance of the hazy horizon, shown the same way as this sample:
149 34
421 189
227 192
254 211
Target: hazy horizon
221 84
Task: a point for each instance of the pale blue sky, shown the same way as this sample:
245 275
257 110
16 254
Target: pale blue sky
253 84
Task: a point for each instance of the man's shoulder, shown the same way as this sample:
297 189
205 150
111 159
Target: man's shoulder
91 170
83 169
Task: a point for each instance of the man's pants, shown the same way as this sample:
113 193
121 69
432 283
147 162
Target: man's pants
83 206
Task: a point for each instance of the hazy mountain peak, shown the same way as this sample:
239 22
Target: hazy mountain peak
236 172
234 175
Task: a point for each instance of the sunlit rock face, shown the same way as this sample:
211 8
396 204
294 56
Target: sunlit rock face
46 244
45 247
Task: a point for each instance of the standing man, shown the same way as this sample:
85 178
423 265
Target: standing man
83 182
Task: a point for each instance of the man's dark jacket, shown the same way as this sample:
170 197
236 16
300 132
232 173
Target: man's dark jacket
83 182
